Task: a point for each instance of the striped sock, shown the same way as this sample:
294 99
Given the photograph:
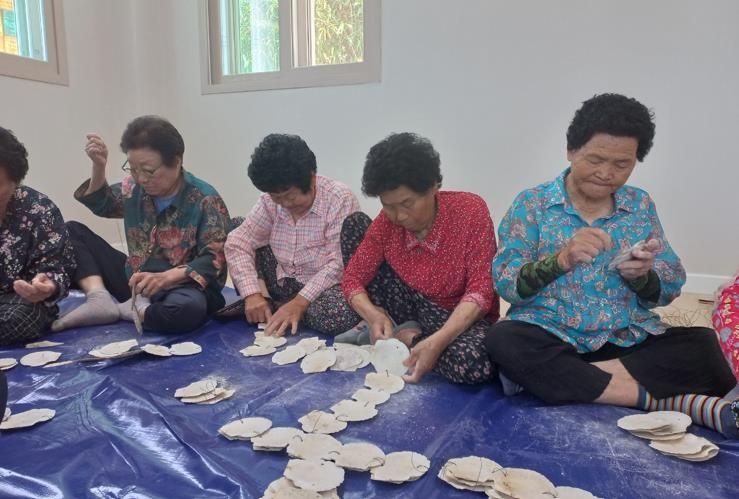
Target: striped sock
704 410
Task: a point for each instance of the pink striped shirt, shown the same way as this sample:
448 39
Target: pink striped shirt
308 250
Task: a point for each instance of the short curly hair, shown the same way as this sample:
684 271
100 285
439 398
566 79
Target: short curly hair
13 156
282 161
401 159
612 114
156 133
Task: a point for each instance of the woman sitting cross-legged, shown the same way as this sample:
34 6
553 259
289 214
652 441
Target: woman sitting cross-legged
425 258
176 227
583 260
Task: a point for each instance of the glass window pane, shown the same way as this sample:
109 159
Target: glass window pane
338 27
251 37
22 28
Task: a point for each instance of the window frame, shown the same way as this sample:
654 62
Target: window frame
53 70
290 75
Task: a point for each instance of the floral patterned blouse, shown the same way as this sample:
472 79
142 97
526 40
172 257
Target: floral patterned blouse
190 232
590 305
34 240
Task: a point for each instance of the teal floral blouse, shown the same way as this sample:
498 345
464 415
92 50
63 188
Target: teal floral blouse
590 305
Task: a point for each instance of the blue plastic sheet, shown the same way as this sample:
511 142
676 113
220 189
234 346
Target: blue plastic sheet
119 431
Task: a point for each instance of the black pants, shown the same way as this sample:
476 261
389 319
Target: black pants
3 394
682 360
175 310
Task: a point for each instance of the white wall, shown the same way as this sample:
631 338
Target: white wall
492 83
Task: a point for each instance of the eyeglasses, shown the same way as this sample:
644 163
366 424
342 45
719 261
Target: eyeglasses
139 172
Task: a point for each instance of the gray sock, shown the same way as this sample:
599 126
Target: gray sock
509 387
99 308
125 311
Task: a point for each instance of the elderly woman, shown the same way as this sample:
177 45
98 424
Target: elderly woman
176 227
35 255
291 240
583 261
425 258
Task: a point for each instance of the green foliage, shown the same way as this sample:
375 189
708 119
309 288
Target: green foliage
339 31
259 36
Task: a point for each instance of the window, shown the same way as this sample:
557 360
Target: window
269 44
32 40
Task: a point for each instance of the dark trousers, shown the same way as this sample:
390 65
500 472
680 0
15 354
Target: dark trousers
175 310
682 360
3 394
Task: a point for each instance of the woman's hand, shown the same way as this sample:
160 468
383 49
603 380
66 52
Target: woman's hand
641 260
422 359
257 309
149 283
381 327
583 247
39 289
96 150
288 315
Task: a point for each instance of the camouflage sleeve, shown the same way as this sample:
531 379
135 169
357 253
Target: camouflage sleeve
535 275
647 287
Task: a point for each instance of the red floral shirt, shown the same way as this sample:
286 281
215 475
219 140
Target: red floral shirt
451 265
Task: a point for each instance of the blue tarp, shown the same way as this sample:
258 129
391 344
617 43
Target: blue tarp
119 431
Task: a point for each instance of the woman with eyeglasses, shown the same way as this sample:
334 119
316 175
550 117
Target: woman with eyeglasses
35 255
424 263
175 224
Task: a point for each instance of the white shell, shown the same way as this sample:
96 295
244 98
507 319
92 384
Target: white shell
521 483
457 483
290 354
270 341
348 359
472 469
315 475
401 467
282 488
353 410
388 356
359 350
44 344
27 418
245 428
689 444
221 394
199 399
311 344
374 397
704 455
256 351
359 456
318 361
385 382
7 362
657 421
321 422
36 359
275 438
196 388
185 348
113 349
312 446
573 493
159 350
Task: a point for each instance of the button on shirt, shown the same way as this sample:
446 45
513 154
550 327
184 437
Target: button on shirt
451 264
590 305
307 250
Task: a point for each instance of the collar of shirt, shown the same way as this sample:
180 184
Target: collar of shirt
180 199
432 241
556 194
